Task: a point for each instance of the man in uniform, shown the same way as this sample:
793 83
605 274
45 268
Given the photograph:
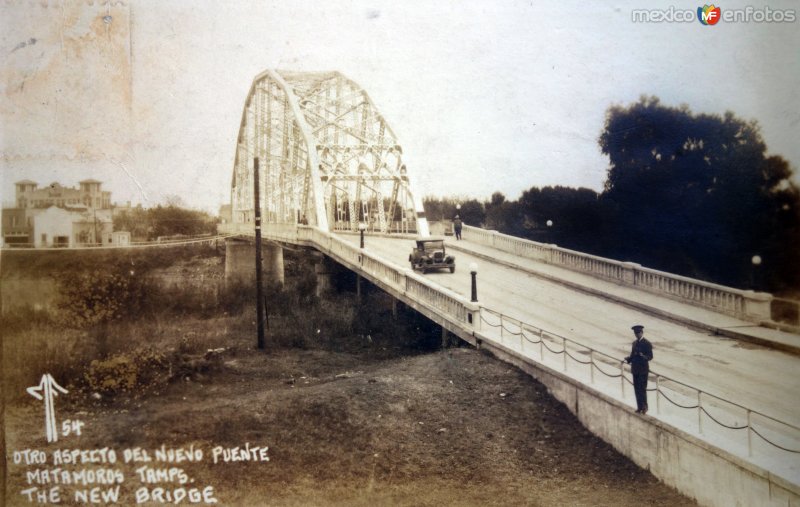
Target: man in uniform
641 355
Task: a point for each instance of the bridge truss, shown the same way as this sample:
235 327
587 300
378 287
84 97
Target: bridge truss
327 157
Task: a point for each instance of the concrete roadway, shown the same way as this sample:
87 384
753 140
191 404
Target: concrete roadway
757 377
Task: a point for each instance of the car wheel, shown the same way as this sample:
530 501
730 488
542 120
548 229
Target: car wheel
412 266
452 269
424 271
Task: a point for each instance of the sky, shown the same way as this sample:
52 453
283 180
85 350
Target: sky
146 96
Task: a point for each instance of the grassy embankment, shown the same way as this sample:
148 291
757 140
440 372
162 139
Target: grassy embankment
126 322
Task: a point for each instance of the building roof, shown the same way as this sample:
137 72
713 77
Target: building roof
90 180
26 182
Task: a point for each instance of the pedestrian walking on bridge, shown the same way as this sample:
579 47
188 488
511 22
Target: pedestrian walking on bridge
641 355
457 224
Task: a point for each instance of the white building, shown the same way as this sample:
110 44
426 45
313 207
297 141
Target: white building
59 216
60 227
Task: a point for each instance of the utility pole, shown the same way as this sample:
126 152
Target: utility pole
259 291
94 212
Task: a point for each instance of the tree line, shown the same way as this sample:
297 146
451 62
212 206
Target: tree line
691 194
148 224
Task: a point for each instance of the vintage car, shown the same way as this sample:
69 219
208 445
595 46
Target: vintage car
430 254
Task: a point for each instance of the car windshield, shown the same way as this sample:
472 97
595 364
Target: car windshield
432 245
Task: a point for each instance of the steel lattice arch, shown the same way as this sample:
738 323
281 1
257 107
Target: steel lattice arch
327 157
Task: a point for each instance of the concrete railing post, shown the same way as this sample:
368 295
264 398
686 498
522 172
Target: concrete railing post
502 328
541 346
699 412
474 316
658 391
549 253
629 273
749 434
757 304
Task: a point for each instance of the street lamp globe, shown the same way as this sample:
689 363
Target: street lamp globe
756 260
549 223
473 267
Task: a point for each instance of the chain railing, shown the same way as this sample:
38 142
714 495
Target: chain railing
520 336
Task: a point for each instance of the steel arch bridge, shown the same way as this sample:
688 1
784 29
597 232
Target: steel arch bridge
326 157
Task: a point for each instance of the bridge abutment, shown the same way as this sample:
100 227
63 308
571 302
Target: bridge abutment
326 270
240 262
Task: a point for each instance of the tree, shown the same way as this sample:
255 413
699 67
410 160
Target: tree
569 217
149 224
504 215
470 210
172 221
135 221
696 194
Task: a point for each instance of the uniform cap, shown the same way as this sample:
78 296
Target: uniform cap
637 327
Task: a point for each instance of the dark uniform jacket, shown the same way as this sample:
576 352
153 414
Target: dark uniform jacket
641 355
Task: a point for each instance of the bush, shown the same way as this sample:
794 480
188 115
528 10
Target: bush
127 371
95 297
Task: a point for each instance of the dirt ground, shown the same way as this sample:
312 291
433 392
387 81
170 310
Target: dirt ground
452 427
359 409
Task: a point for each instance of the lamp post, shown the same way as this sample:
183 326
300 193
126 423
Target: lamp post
362 227
756 281
473 271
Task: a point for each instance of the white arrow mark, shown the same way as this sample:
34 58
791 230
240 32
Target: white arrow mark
47 384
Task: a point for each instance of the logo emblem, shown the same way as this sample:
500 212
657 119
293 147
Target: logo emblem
708 14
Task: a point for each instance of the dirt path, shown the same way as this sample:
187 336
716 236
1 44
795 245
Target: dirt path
444 428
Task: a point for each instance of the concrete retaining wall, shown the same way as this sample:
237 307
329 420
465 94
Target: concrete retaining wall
710 475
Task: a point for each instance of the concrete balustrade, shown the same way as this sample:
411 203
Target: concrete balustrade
745 304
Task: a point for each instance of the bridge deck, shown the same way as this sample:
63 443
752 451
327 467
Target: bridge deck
693 315
755 376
